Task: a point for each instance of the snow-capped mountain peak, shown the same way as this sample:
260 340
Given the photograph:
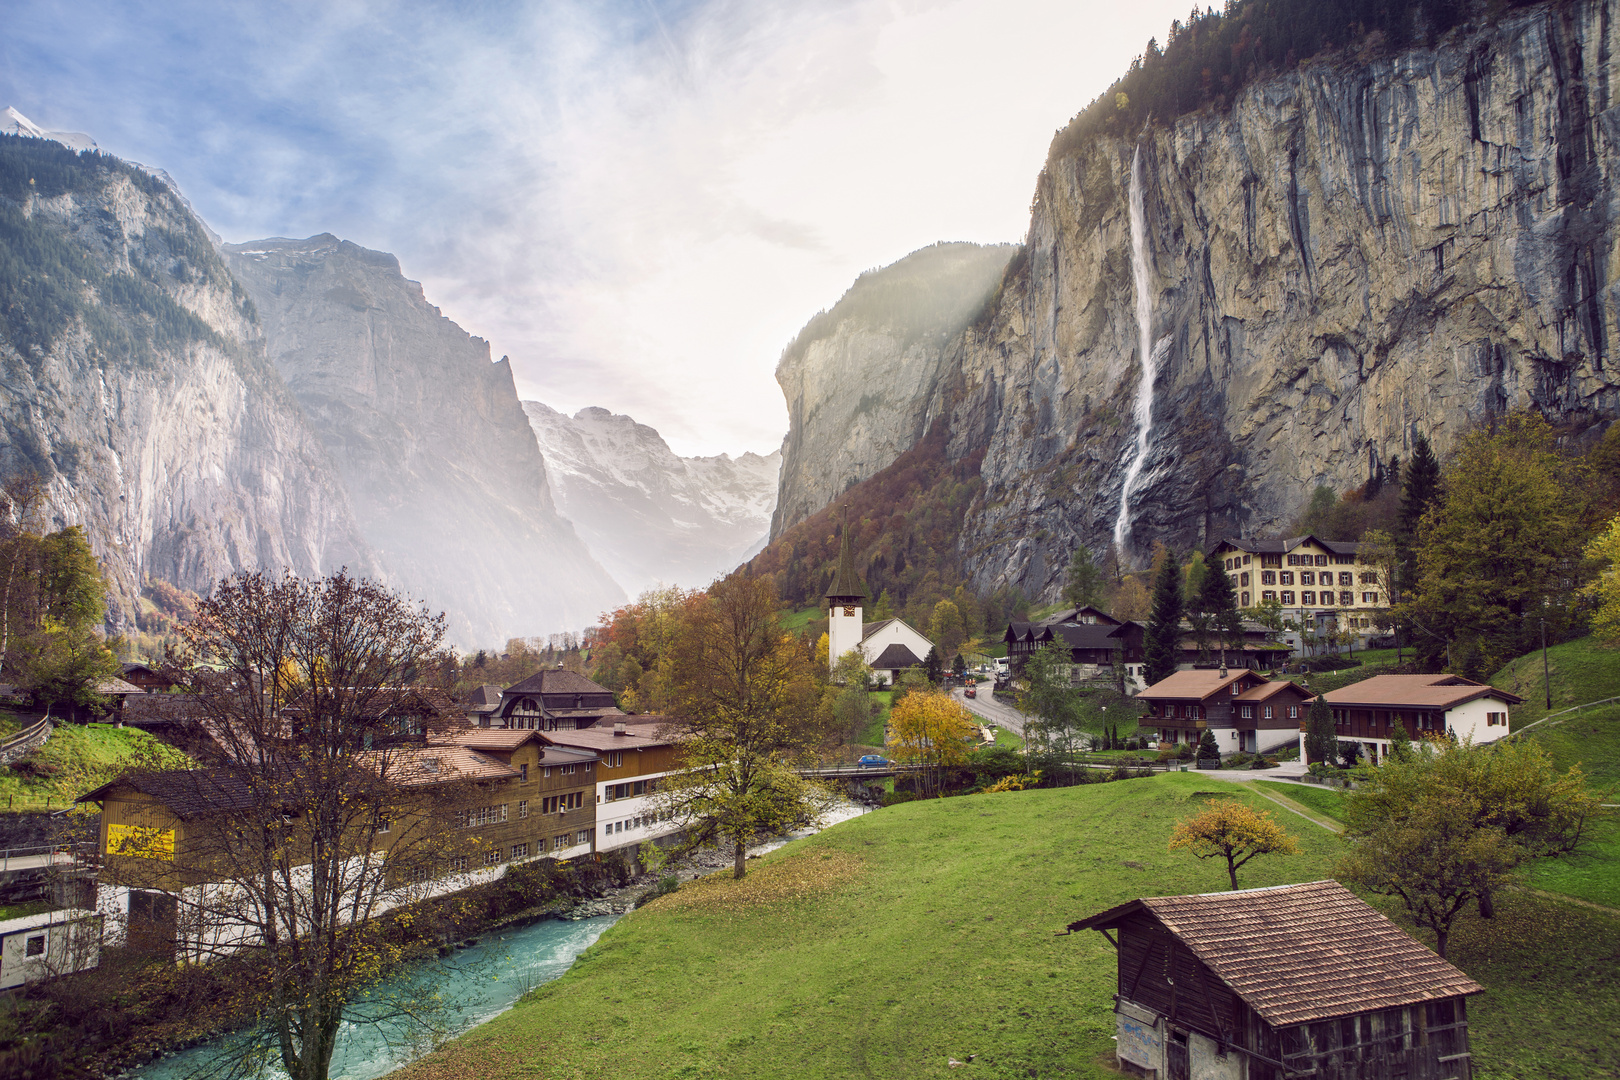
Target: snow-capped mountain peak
13 122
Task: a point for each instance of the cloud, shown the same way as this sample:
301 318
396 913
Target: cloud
641 203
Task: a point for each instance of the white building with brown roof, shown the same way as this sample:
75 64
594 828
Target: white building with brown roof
1427 706
1240 707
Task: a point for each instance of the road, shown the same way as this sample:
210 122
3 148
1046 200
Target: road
986 707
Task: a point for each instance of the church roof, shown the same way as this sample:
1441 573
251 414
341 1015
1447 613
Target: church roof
896 656
846 584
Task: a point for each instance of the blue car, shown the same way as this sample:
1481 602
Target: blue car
873 761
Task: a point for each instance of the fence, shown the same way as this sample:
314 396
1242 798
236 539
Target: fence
29 738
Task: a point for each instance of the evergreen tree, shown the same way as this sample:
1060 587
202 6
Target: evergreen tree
932 665
1419 488
1083 585
1207 750
1321 740
1218 602
1162 640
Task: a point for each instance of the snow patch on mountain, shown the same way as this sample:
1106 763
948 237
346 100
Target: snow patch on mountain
13 122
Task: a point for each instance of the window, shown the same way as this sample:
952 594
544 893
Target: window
458 863
1287 597
523 773
520 851
383 825
482 815
1369 598
492 857
1369 579
1346 598
559 842
1306 577
1346 580
35 946
1268 577
1321 560
607 830
1243 580
523 808
1285 577
584 836
1245 601
1268 595
1293 712
1494 718
545 770
1246 560
566 770
1246 711
1308 597
1265 712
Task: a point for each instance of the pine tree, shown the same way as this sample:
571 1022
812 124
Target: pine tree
1321 740
1162 641
1083 585
1207 748
1219 603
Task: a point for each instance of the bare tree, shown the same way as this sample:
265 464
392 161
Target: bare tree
316 807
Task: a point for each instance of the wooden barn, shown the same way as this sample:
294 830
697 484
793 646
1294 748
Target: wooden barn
1295 982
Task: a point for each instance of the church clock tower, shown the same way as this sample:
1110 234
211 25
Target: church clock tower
844 600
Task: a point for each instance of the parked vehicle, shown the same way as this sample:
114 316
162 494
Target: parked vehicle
873 761
970 692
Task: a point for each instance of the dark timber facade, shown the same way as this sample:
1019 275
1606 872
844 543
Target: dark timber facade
1298 982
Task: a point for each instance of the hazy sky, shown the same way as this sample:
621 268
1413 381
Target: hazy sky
640 202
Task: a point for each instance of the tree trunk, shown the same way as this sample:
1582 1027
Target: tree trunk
1487 905
741 866
1231 872
1440 942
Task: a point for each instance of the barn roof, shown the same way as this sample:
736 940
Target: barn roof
1417 691
1300 953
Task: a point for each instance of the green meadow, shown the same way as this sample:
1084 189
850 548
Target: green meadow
890 944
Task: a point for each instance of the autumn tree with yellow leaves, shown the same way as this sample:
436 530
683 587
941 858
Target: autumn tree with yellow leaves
931 729
1234 832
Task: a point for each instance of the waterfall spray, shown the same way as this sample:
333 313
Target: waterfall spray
1144 342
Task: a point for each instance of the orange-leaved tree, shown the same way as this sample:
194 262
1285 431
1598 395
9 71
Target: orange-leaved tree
1234 832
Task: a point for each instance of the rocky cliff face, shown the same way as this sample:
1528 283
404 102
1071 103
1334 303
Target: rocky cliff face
651 516
438 459
136 387
863 378
1355 251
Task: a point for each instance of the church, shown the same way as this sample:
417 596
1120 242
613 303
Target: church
888 647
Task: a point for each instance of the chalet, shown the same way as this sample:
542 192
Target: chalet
1243 709
1427 706
555 700
888 646
1095 640
1304 982
481 704
147 678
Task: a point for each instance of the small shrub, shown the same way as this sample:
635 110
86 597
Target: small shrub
666 885
1184 751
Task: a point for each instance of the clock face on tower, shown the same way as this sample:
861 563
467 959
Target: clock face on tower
849 611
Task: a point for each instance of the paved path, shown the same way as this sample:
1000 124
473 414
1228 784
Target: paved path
988 708
34 862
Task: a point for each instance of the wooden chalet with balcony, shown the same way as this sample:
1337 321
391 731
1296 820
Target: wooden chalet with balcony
1243 709
1293 982
555 700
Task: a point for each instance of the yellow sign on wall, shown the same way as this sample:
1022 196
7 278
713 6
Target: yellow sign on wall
141 841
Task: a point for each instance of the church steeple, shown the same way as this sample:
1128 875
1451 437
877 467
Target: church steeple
844 627
846 587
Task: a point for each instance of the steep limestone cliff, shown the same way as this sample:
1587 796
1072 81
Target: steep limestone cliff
1358 249
651 516
860 378
441 467
135 386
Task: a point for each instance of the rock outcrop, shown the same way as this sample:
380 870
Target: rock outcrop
862 378
135 387
653 517
1356 250
441 468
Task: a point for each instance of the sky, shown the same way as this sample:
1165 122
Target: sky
640 202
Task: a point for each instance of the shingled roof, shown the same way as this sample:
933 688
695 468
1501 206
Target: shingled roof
1416 691
557 681
1300 953
894 657
846 583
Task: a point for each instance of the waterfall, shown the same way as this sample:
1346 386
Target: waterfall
1144 342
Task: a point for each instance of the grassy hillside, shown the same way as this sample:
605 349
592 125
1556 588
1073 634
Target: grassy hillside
930 930
76 759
